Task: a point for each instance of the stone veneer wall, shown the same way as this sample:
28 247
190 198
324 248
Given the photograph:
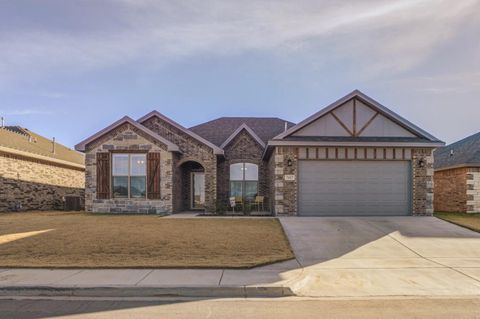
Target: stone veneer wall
243 148
473 190
29 184
192 150
285 191
128 138
422 182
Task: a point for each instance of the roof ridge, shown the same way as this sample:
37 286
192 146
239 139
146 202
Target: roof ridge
16 129
29 142
242 118
463 140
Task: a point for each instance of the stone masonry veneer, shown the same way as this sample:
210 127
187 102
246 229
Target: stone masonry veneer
128 138
192 150
243 148
29 184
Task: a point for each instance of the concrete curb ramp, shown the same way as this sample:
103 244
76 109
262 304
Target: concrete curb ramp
217 292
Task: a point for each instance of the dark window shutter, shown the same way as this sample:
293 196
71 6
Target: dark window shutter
103 175
153 175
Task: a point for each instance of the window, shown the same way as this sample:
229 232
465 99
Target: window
129 175
244 180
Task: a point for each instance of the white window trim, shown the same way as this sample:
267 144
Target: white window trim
243 180
128 176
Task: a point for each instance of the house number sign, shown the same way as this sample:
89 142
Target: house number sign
289 177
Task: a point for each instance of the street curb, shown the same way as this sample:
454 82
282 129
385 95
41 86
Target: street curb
220 292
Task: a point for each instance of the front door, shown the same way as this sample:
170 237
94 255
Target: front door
198 190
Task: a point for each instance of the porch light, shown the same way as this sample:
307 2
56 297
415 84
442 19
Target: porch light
421 163
289 162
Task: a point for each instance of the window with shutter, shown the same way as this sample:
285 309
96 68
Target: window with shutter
153 175
103 175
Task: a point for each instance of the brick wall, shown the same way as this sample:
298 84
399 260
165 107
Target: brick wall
457 190
128 138
192 150
243 148
36 185
451 190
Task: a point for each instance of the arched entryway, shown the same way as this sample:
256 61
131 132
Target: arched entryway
192 186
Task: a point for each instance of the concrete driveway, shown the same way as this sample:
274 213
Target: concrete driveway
389 256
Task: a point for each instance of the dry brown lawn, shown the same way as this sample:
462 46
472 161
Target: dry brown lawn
71 240
470 221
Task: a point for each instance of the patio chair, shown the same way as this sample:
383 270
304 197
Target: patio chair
239 202
259 203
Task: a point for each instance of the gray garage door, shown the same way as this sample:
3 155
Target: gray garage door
335 188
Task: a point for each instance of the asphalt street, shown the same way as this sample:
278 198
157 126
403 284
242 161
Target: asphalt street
241 308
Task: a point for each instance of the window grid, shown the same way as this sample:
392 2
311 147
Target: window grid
129 175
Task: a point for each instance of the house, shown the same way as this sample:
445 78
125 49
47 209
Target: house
37 173
457 176
355 157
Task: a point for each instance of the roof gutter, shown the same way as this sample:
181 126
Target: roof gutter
354 144
466 165
41 157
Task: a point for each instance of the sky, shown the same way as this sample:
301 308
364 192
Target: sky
70 68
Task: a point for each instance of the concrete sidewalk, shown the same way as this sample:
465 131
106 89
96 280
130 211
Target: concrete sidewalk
267 281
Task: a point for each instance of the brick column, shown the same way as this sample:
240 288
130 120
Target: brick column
422 182
285 190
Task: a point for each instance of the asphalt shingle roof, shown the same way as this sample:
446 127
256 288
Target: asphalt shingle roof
463 152
218 130
22 139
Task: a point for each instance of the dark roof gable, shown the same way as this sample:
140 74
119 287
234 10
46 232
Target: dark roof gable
219 130
462 153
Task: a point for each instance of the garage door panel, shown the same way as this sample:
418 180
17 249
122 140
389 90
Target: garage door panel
354 188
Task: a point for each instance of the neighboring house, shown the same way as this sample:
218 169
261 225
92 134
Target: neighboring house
457 176
355 157
37 173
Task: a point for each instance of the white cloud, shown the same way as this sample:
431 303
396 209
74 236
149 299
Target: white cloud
385 36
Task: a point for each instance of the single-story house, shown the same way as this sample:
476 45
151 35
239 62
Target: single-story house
354 157
37 173
457 176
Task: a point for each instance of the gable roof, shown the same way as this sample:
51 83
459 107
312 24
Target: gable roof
464 153
170 146
191 133
238 130
21 141
356 94
219 130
